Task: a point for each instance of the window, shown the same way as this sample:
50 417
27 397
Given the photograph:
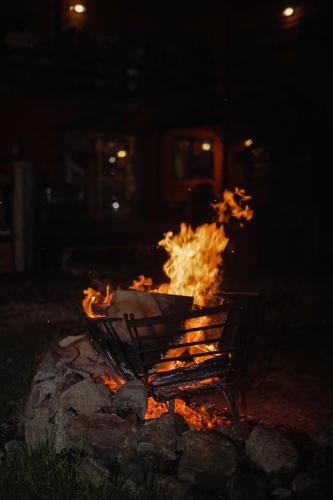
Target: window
193 158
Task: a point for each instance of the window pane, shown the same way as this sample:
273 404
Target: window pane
193 158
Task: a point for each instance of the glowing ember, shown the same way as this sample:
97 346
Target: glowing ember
112 381
200 419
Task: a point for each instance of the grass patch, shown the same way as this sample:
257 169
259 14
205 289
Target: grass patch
43 474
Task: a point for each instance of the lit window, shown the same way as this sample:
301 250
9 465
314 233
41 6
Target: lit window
193 158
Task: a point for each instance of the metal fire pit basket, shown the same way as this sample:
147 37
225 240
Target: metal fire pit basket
229 332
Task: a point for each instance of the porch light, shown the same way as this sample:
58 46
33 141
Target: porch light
122 153
206 146
248 143
78 8
288 11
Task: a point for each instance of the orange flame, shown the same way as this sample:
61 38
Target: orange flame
95 297
142 284
200 419
112 381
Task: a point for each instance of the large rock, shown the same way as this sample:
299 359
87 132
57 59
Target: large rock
157 442
132 398
85 397
104 435
38 430
206 456
272 452
248 487
93 471
307 488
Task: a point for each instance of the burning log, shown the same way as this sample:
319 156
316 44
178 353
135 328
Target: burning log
143 305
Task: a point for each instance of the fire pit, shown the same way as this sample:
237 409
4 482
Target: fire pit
198 351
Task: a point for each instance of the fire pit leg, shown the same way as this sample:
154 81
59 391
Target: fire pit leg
171 406
231 400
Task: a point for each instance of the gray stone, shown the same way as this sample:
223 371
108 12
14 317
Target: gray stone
49 362
70 378
71 339
105 435
324 438
93 471
38 430
206 456
67 354
157 442
87 360
40 396
167 486
132 397
279 493
248 487
42 375
131 467
272 452
85 397
307 488
61 419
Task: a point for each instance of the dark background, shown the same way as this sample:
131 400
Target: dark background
143 70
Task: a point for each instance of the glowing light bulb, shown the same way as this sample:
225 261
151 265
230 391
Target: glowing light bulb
248 143
206 146
288 11
78 8
115 205
122 153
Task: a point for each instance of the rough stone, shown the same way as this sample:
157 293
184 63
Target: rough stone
85 397
67 354
38 430
70 378
93 471
61 420
307 488
71 339
206 456
49 362
279 493
168 486
42 375
106 435
132 397
248 487
157 442
324 438
272 452
131 467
